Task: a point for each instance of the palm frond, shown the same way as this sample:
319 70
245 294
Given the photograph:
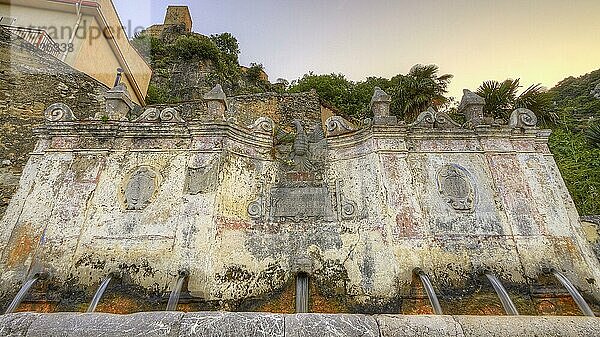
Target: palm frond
593 135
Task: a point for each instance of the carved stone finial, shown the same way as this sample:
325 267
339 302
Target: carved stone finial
471 105
380 106
380 103
118 104
337 125
216 100
522 118
59 112
432 119
263 125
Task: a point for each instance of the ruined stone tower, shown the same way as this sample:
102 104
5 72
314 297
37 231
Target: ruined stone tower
179 15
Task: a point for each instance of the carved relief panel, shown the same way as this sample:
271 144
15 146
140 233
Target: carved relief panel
203 179
140 187
454 184
303 203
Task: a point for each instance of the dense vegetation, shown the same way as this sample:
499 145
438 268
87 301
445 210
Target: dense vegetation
219 53
411 93
568 109
574 141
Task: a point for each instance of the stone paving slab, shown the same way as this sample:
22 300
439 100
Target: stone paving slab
529 326
78 325
221 324
313 325
16 325
395 325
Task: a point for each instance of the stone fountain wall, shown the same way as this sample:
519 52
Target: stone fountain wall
244 208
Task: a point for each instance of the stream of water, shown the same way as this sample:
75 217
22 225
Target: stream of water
507 303
98 295
437 309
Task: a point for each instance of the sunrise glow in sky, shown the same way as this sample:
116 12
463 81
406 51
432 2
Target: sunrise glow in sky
537 41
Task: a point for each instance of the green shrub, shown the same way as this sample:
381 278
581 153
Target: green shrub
157 95
195 48
579 165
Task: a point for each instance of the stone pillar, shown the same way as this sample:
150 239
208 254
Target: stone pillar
118 104
216 101
471 105
380 105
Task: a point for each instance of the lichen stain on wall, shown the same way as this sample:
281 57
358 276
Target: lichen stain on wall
21 246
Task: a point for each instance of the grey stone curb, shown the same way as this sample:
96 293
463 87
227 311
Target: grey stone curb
225 324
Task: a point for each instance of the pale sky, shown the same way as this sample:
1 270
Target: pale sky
537 41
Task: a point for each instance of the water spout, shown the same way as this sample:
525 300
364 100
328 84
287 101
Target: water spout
302 293
583 306
21 295
98 295
507 303
176 292
435 304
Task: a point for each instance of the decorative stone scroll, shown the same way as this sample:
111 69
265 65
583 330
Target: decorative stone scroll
167 115
522 118
263 125
256 209
59 112
455 185
337 125
346 208
432 119
140 188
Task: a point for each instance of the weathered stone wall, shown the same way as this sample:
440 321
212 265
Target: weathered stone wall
174 324
31 80
591 227
243 212
281 108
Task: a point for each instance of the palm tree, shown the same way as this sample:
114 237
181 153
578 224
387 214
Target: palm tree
593 135
418 90
501 99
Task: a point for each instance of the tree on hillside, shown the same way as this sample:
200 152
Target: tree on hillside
334 89
420 89
411 94
501 98
227 44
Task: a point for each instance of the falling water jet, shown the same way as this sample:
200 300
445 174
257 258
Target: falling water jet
435 304
507 303
23 291
176 292
98 295
302 293
581 303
